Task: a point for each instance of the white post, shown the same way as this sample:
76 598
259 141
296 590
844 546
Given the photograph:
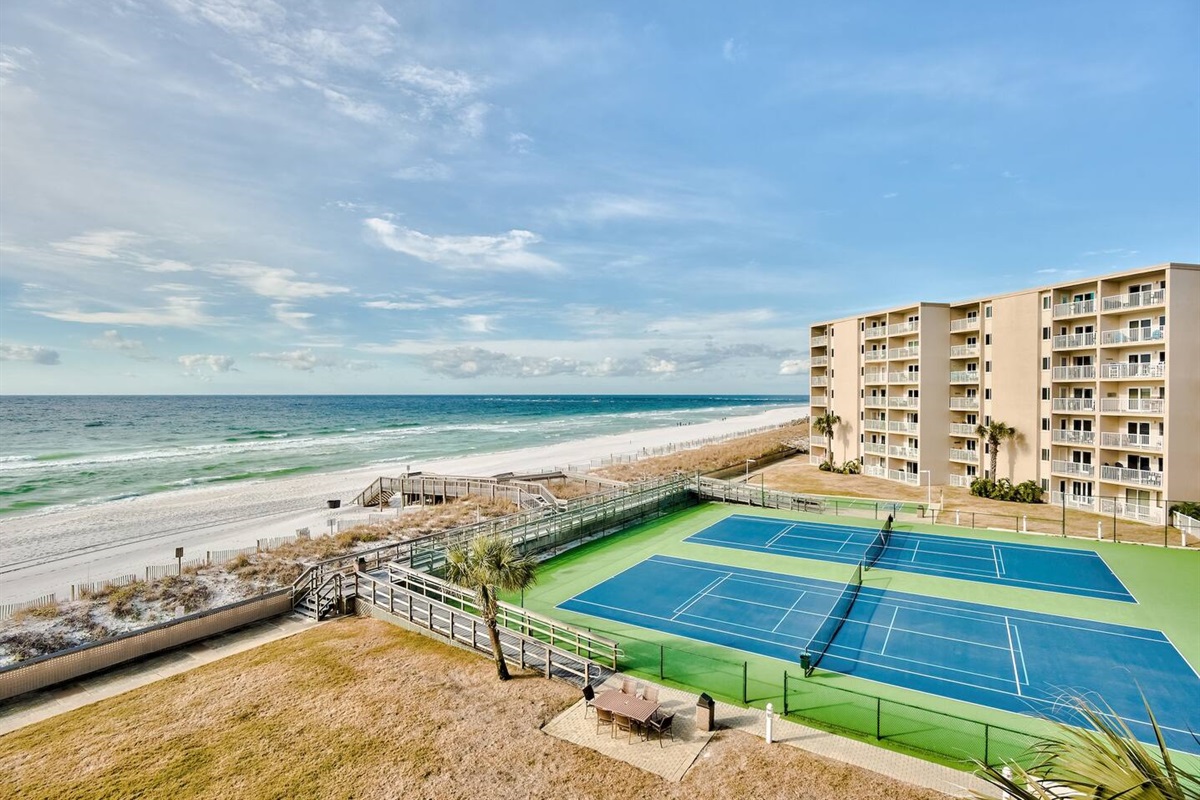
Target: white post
1025 523
1099 531
955 517
1007 773
770 717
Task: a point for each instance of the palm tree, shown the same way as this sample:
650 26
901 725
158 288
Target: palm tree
825 425
1103 763
995 433
488 564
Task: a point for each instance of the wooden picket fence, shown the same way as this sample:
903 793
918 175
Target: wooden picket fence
9 609
82 590
163 570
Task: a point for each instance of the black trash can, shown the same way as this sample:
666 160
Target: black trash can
806 662
360 565
706 710
334 503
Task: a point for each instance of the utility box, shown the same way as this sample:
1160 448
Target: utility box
706 710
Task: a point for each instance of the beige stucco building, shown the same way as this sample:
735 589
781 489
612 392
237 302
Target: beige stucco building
1100 377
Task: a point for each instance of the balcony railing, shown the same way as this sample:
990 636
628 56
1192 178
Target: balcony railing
819 361
969 456
965 376
1073 404
1140 477
1122 371
1073 340
875 449
1073 437
964 351
1073 468
1079 502
904 377
961 480
904 402
874 376
964 403
875 472
1141 512
875 332
1131 441
900 451
903 327
818 400
961 429
1082 373
964 324
903 476
819 341
1132 335
1075 309
875 355
1120 302
1132 405
899 353
875 401
875 425
902 427
819 380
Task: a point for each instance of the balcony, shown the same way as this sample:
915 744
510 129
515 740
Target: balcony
875 472
964 324
1120 371
1133 335
819 380
1082 373
1131 441
962 481
1073 468
875 376
1076 309
1073 437
1079 502
911 478
902 427
904 402
875 355
1121 302
875 425
903 327
961 429
1073 404
819 361
1073 341
1138 512
875 449
964 376
904 377
819 341
1132 405
964 403
818 400
964 351
900 353
969 456
1137 477
899 451
875 332
875 401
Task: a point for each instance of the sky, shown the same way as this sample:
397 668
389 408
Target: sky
251 196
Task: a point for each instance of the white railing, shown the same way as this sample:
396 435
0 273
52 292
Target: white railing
1074 404
964 403
1132 441
1132 405
1140 477
875 472
819 341
1120 302
1060 436
963 481
875 355
819 380
904 352
1081 373
903 476
965 376
1075 309
1122 370
1139 512
970 456
875 376
904 402
903 327
815 460
874 425
875 401
899 451
902 427
961 429
964 324
1128 335
875 449
875 332
904 377
1079 502
818 400
1186 525
964 350
819 361
1073 468
1074 340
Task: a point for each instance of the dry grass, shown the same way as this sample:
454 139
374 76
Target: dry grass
362 709
570 488
714 456
797 475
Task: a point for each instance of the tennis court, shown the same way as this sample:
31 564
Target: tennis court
1051 569
1006 659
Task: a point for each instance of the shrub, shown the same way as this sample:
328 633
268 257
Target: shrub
1187 509
826 466
1003 489
851 468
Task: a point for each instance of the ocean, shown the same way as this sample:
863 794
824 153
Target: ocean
80 450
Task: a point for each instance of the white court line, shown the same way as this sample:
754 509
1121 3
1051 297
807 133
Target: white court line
1016 632
1012 651
778 536
714 584
999 559
891 625
787 613
915 549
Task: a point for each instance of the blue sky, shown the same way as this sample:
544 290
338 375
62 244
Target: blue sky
256 196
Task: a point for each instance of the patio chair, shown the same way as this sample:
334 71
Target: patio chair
650 693
625 724
603 717
589 698
628 686
661 725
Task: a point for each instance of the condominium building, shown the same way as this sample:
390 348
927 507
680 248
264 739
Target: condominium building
1100 377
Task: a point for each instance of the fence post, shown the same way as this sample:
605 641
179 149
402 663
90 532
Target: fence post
1062 496
987 733
878 718
661 659
745 680
785 693
548 665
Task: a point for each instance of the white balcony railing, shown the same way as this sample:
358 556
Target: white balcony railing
969 456
875 355
875 449
899 353
1131 441
819 361
1074 340
1075 309
911 478
875 472
874 332
961 429
899 451
1139 512
1132 335
818 400
1081 373
964 351
875 425
1073 468
1079 502
904 377
961 480
1140 477
964 403
819 341
965 376
875 401
1073 404
1121 371
903 327
819 380
875 376
902 427
1120 302
1132 405
904 402
1073 437
964 324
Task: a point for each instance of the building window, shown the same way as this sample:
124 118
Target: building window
987 311
987 366
1045 393
1045 484
1045 334
1046 362
987 338
1045 454
1046 302
1045 423
987 394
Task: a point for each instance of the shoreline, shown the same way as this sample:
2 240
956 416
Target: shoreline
49 550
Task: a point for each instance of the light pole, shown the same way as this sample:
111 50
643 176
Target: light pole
749 461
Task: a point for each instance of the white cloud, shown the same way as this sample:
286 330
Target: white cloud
427 170
167 265
179 312
478 323
504 253
277 283
890 195
13 61
113 340
447 85
196 364
293 319
733 50
33 353
520 143
305 360
707 323
102 244
793 366
344 104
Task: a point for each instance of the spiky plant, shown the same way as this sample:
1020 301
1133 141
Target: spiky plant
825 425
995 433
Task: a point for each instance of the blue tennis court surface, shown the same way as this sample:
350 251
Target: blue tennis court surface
1051 569
1007 659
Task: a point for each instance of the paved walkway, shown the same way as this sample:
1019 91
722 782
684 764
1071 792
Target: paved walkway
36 706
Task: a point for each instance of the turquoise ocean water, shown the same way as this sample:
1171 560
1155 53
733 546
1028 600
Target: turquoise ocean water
68 450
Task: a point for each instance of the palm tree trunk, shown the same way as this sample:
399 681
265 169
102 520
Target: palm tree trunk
497 651
995 455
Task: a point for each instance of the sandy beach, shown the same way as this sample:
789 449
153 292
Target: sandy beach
48 551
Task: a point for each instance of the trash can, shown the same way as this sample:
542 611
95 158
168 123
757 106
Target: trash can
360 565
334 503
806 662
705 711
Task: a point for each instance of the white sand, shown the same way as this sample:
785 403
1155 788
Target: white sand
47 552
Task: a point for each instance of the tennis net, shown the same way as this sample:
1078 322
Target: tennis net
879 544
821 640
